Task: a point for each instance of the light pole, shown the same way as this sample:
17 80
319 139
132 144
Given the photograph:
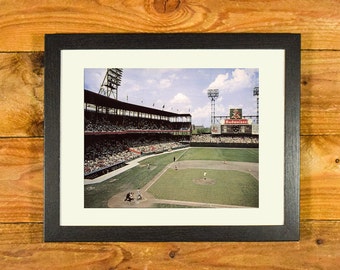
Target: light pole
111 82
213 95
256 94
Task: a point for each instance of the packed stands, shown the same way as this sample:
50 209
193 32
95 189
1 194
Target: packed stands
117 132
110 152
208 138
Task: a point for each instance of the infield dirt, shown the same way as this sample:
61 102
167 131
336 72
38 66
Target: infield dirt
148 200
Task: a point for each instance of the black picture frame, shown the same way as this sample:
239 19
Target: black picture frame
288 231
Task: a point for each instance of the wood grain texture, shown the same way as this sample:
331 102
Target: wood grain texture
22 28
320 177
320 95
21 94
24 23
21 180
22 248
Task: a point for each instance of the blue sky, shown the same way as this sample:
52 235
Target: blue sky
184 90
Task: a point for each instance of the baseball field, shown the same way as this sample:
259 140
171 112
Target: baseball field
192 177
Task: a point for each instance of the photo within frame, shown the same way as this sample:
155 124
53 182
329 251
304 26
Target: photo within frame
184 134
164 141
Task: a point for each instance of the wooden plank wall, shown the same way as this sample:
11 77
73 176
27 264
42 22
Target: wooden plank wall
22 28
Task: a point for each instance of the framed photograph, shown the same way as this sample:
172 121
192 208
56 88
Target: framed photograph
172 137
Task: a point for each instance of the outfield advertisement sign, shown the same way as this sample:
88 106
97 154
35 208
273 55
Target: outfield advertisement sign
255 129
215 129
236 121
235 113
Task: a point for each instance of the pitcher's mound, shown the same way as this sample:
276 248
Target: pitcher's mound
202 181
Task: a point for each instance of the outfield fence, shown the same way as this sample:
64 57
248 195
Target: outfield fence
226 145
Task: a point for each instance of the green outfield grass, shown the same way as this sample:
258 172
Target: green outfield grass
228 154
231 187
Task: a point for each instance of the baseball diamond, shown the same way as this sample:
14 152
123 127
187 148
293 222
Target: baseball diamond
161 182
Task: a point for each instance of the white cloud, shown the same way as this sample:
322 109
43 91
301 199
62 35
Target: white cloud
220 81
239 79
180 103
201 115
180 99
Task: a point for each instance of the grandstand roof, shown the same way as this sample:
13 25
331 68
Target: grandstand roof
100 100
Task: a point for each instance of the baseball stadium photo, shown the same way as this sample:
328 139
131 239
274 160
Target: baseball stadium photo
171 138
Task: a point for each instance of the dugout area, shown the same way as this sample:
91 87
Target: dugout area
193 177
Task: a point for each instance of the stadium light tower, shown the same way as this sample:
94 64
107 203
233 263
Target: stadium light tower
256 94
111 82
213 95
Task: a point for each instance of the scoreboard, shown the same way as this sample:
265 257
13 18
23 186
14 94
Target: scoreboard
235 124
236 129
228 126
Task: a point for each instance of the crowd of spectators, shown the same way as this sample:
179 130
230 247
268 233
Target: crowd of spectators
155 147
208 138
110 150
120 123
107 152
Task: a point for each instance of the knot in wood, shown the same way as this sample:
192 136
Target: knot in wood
319 241
166 6
172 254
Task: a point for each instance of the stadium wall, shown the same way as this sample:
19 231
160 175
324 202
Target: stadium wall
227 145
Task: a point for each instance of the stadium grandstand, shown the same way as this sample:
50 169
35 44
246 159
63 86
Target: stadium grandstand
117 132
